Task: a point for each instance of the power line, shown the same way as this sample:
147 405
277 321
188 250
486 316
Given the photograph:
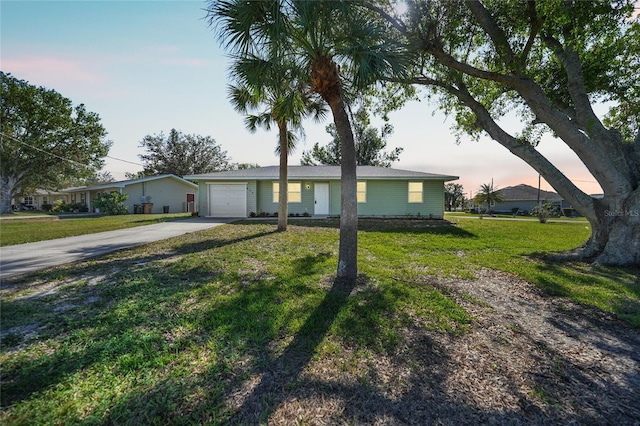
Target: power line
46 152
125 161
66 159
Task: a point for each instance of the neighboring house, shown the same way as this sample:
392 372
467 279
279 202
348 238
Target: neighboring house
315 190
40 198
525 198
153 194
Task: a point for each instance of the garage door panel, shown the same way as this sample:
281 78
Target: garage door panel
228 200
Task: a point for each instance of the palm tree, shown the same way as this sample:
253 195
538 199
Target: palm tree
335 43
274 85
488 194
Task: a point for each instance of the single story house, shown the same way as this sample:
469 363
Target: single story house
38 199
152 194
525 198
315 190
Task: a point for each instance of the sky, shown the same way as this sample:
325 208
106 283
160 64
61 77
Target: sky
146 67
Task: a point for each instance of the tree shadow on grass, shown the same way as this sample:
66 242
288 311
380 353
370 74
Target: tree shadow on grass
130 286
386 225
267 395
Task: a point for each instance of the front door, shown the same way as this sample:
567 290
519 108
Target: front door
321 198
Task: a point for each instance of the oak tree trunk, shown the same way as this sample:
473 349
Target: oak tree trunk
615 233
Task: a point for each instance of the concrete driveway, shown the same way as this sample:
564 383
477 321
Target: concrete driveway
25 258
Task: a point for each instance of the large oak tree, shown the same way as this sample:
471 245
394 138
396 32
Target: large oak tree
549 63
45 141
182 154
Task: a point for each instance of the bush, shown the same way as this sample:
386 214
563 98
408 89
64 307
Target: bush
111 203
46 207
542 212
58 205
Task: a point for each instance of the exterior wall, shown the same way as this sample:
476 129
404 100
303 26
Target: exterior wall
384 198
523 205
391 198
506 206
252 196
80 196
202 199
265 198
162 192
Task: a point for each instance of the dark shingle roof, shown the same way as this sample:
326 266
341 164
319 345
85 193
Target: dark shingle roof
527 192
318 172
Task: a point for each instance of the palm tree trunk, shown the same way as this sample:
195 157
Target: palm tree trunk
283 197
348 252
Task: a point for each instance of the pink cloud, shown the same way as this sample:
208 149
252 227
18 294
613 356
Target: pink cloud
52 72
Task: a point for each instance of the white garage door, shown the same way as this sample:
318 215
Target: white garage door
228 200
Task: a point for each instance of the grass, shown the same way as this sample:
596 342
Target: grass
49 227
458 214
170 332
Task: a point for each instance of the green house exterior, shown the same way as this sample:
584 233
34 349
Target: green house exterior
315 190
162 193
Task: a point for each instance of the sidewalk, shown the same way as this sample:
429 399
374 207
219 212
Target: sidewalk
25 258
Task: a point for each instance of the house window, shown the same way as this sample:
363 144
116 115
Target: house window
415 192
294 193
73 198
83 198
28 201
362 191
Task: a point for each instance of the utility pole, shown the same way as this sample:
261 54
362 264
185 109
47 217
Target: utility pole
538 189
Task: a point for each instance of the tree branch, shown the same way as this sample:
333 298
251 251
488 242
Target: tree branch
536 26
498 37
581 201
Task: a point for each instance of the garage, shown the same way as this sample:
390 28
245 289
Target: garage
228 200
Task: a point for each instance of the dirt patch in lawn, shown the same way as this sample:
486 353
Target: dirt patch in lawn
527 359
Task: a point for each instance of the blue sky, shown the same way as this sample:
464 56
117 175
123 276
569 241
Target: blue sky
150 66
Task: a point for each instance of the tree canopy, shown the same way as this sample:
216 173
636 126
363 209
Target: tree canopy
182 154
45 140
489 195
338 47
548 63
453 195
269 91
370 145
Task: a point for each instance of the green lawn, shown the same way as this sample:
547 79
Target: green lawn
170 332
49 227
